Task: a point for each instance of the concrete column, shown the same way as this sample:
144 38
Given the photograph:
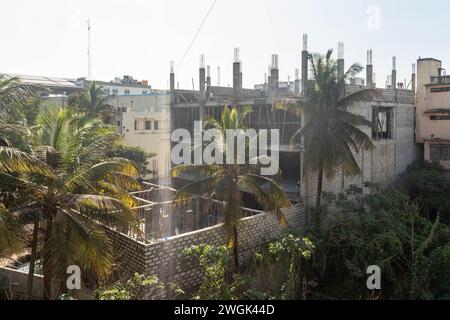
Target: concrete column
190 220
156 214
305 66
274 78
394 73
297 82
369 69
202 77
148 222
236 81
172 77
341 61
413 78
208 80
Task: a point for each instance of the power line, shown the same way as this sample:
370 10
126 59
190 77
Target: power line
196 35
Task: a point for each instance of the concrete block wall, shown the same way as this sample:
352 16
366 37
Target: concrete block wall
389 158
167 260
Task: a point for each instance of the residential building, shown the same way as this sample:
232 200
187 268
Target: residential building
144 121
433 111
127 86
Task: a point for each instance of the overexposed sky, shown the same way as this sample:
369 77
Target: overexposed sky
140 37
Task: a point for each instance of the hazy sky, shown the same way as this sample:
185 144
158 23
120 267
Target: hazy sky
140 37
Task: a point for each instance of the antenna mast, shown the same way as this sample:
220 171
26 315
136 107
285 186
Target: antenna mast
89 51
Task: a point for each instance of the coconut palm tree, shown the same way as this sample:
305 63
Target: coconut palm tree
229 182
13 94
72 188
94 102
331 134
11 232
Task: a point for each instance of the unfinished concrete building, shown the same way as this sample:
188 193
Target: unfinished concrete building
391 112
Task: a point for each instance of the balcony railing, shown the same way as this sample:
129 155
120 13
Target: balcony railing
440 80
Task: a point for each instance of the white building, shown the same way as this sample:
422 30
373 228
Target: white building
144 121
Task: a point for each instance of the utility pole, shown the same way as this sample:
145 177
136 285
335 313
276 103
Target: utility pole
89 51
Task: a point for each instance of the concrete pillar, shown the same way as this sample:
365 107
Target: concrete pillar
297 82
413 78
369 69
190 221
274 76
305 66
394 73
148 222
172 77
202 77
155 217
208 78
341 61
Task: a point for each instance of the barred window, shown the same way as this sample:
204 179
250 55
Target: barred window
439 152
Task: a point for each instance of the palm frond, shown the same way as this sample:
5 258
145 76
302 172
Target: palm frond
15 161
12 236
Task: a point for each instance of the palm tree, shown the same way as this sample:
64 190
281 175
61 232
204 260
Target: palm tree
73 188
12 94
11 232
331 135
93 101
227 183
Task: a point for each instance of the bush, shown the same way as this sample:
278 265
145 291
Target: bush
440 272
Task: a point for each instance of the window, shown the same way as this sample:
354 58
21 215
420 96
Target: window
439 152
148 125
135 125
447 117
382 123
107 92
118 123
444 89
127 92
115 92
144 93
156 125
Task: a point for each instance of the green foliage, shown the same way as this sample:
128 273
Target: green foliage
136 154
275 273
12 235
93 101
287 258
139 287
66 179
440 271
375 226
428 185
213 262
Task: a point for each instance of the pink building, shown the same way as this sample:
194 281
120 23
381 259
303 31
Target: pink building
433 111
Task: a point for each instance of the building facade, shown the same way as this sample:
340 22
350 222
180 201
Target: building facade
433 111
144 121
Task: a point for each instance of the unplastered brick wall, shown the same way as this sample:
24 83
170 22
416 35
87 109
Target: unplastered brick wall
167 260
389 158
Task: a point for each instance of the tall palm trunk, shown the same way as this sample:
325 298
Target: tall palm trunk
236 250
319 188
47 268
34 244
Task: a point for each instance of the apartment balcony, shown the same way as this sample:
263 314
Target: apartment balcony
440 80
